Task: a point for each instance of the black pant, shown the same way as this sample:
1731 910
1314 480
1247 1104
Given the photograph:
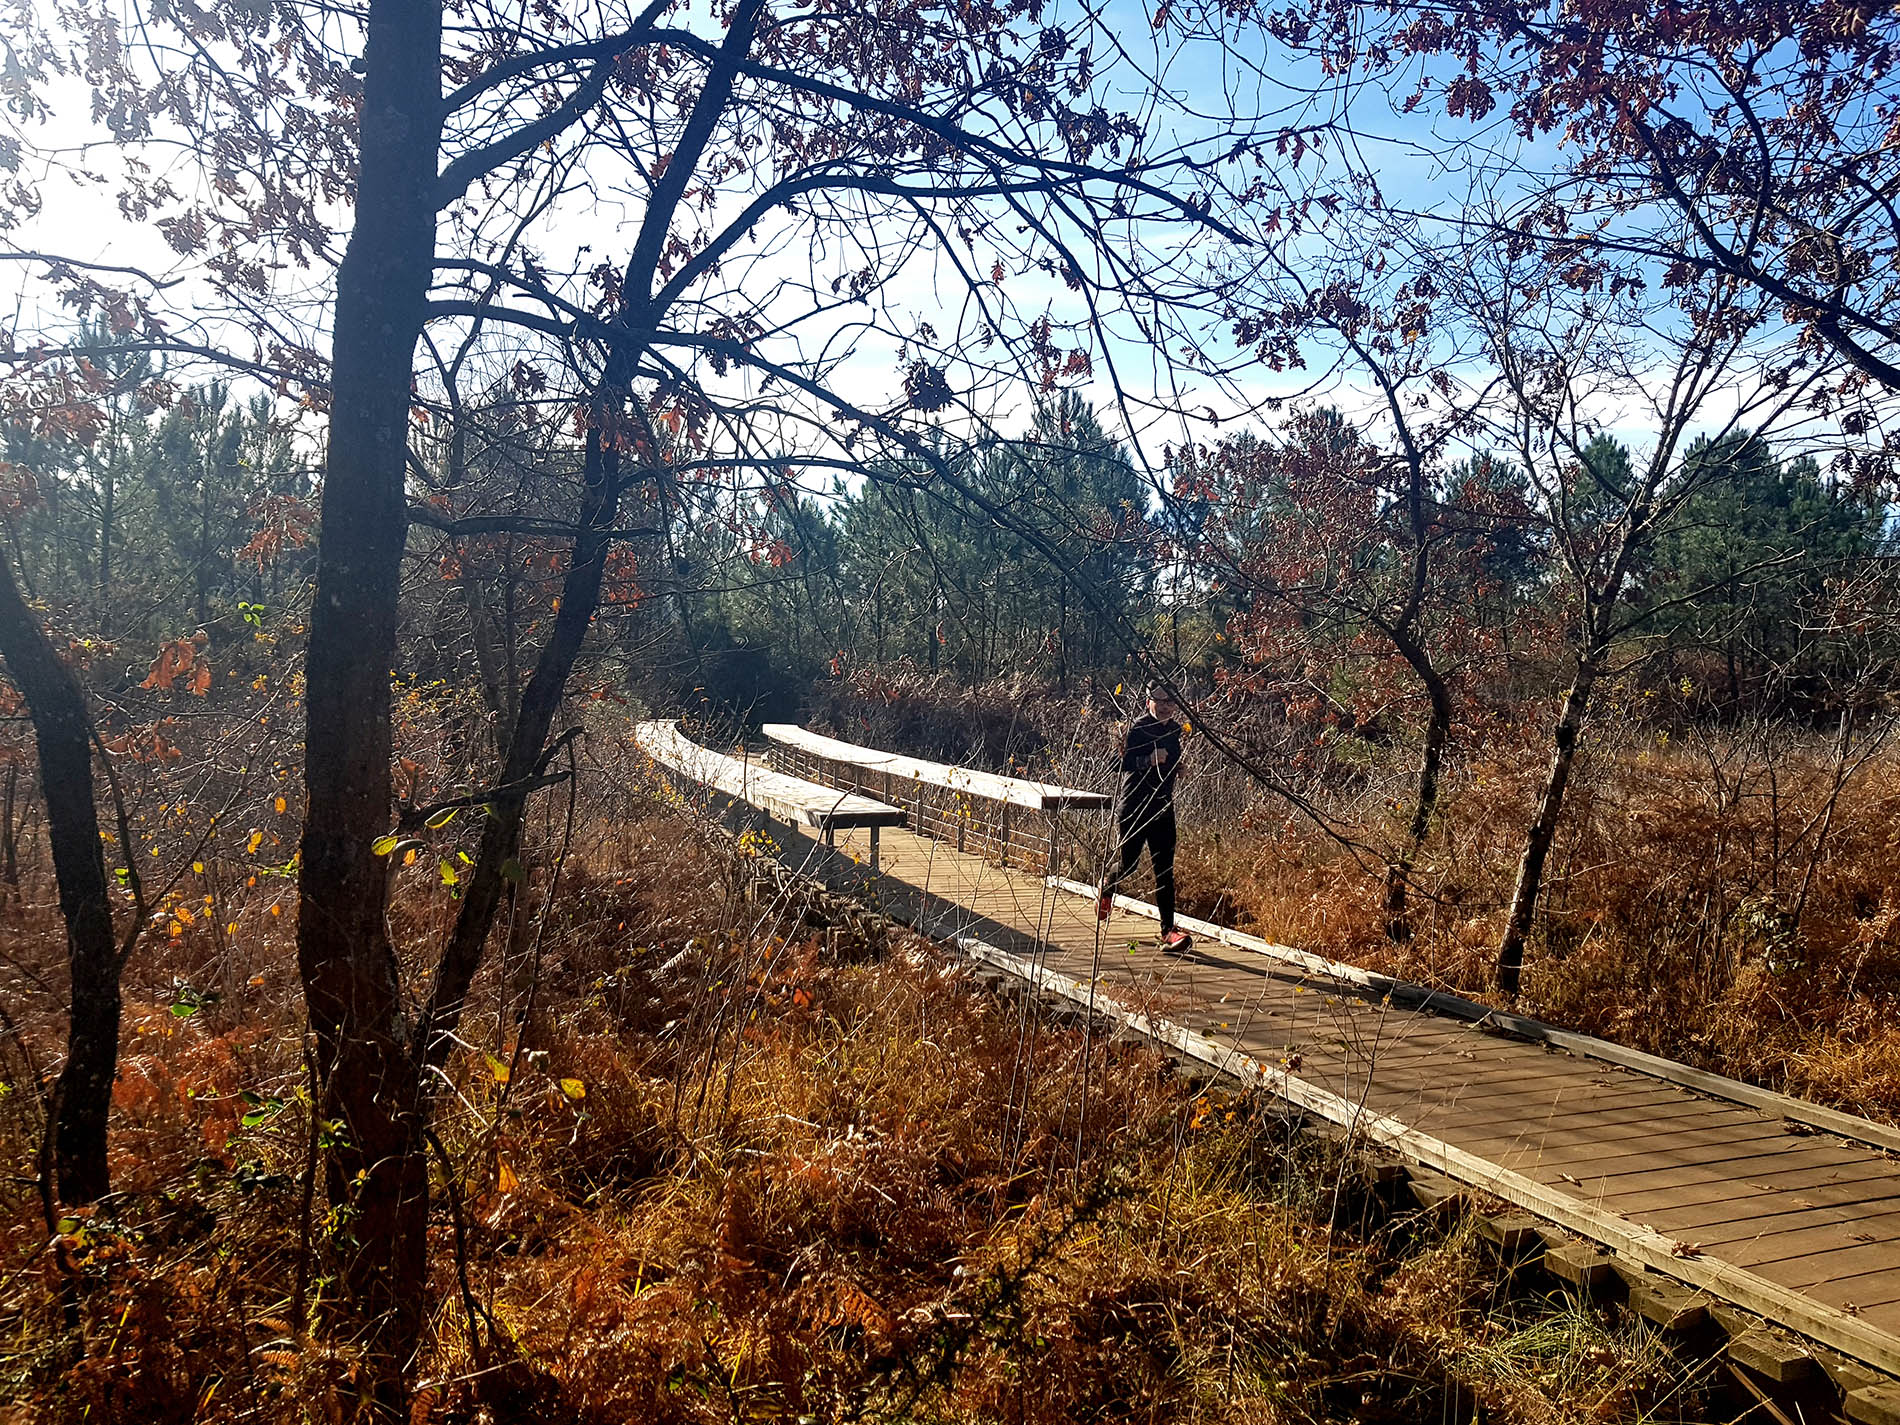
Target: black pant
1150 825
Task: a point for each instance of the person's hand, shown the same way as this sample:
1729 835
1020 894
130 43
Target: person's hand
1158 758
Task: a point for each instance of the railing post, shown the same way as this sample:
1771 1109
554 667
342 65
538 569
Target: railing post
874 831
1003 833
1055 843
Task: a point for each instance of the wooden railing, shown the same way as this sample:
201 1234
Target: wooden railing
1020 821
825 807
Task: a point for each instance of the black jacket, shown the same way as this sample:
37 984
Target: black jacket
1143 783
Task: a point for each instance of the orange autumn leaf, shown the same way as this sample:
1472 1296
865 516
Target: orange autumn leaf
180 661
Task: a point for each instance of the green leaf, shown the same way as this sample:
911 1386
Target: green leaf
512 870
442 818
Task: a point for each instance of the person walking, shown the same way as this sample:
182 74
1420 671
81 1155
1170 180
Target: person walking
1151 755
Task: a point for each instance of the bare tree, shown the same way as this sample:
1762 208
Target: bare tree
788 179
1571 359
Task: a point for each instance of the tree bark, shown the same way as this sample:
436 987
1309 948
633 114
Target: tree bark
63 732
1530 870
501 833
108 503
580 590
1425 797
375 1172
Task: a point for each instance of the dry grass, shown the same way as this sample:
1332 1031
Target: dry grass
1729 896
732 1178
1712 898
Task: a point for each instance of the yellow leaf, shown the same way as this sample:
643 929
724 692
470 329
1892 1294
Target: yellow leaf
183 912
409 857
497 1068
198 867
574 1089
449 877
231 929
257 840
280 804
505 1177
276 910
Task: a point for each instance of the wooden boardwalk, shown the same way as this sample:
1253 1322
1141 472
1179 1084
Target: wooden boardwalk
1798 1225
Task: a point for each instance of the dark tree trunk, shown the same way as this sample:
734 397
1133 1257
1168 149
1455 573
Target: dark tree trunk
1530 870
63 731
365 1068
107 508
10 826
497 860
202 573
1425 798
1597 635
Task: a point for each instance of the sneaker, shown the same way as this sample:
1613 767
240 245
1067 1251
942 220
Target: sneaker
1104 903
1175 941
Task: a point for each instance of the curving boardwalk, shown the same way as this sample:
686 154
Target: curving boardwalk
1797 1224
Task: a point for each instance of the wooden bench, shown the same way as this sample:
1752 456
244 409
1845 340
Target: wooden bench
790 799
952 803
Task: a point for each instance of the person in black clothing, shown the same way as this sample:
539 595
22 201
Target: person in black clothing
1151 754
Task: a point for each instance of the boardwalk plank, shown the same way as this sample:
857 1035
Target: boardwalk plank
1621 1145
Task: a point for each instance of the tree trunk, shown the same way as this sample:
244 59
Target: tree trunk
580 590
1530 870
1425 802
374 1169
107 509
10 831
202 573
497 860
63 731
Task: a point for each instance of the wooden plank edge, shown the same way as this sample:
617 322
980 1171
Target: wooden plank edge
869 812
1016 791
1844 1125
1630 1240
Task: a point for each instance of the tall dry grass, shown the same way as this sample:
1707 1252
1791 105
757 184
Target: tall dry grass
1730 897
703 1161
1726 895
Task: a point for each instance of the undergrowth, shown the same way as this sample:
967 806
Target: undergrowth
704 1161
1724 895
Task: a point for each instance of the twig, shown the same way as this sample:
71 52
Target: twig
470 1307
305 1199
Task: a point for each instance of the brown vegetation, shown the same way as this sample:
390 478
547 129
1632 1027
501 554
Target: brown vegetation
1729 896
725 1176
